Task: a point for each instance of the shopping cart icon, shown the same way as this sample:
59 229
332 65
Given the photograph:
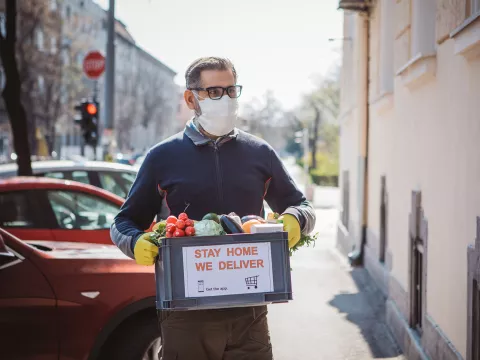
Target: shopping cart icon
251 281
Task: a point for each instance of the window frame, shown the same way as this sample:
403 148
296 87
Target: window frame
387 40
423 42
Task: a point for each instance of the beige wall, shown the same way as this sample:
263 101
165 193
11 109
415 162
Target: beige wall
353 111
426 138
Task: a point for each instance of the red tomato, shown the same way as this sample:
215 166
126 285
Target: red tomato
179 233
169 234
180 224
171 228
183 217
171 220
189 223
190 231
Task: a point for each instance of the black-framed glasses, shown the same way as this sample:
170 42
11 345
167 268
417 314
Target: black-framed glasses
217 92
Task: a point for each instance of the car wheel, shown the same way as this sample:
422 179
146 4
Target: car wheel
136 340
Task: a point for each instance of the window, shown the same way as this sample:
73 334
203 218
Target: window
41 84
387 40
81 176
75 210
55 175
66 57
117 183
53 45
473 7
3 29
423 27
39 39
417 285
68 12
418 266
345 199
383 219
16 210
53 5
475 326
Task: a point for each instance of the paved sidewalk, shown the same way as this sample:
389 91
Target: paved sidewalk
336 314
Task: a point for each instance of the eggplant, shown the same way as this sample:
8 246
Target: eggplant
230 225
252 217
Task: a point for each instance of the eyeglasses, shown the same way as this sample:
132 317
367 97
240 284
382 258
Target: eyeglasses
217 92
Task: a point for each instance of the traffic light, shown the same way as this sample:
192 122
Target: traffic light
87 119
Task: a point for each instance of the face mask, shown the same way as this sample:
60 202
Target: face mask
218 117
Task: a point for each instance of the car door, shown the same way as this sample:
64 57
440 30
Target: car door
28 312
23 214
81 217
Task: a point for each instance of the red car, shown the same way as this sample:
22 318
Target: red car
35 208
73 300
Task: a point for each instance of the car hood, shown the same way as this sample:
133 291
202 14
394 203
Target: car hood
63 250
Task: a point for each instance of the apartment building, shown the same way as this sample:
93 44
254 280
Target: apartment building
410 166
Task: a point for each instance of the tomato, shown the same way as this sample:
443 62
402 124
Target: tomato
171 220
179 233
189 222
180 224
190 231
169 234
183 217
171 228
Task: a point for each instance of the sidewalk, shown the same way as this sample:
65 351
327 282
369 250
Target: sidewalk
324 197
336 313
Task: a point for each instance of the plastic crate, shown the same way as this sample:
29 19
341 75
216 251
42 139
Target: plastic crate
262 278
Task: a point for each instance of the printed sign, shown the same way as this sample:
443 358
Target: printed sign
227 269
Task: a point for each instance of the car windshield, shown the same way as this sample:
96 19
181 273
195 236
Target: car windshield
75 210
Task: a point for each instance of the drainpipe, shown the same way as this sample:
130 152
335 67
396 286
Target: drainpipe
356 256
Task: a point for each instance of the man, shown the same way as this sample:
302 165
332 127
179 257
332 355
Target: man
210 167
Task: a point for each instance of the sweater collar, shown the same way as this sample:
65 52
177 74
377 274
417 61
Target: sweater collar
194 134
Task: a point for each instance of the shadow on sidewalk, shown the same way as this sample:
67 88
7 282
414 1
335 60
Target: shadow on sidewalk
366 309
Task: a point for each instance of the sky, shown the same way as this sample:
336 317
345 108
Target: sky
275 45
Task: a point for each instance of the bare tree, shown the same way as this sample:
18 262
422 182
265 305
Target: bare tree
12 91
127 112
267 119
324 102
153 98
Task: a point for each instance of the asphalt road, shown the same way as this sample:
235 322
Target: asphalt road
335 313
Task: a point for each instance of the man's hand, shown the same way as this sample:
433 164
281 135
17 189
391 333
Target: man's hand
291 225
145 250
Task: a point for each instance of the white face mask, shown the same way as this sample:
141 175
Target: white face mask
218 117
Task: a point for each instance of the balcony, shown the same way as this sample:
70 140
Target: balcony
355 5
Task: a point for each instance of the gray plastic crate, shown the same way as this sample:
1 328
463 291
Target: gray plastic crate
170 271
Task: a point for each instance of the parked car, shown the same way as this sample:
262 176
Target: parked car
114 177
35 208
65 300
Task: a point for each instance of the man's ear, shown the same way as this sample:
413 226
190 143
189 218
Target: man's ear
190 99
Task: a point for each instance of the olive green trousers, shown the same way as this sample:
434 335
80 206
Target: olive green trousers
221 334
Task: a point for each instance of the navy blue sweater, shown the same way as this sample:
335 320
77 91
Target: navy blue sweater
190 171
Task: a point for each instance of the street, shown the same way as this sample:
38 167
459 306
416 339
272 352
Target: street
334 314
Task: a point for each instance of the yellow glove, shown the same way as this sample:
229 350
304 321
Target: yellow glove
291 225
145 250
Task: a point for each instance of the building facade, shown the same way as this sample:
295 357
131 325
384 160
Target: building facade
63 32
144 87
410 155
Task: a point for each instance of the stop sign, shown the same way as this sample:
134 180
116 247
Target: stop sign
94 64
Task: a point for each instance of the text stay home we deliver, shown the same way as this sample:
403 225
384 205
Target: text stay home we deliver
227 269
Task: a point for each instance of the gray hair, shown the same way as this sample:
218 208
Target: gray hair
194 71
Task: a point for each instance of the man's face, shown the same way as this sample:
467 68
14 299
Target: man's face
209 78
